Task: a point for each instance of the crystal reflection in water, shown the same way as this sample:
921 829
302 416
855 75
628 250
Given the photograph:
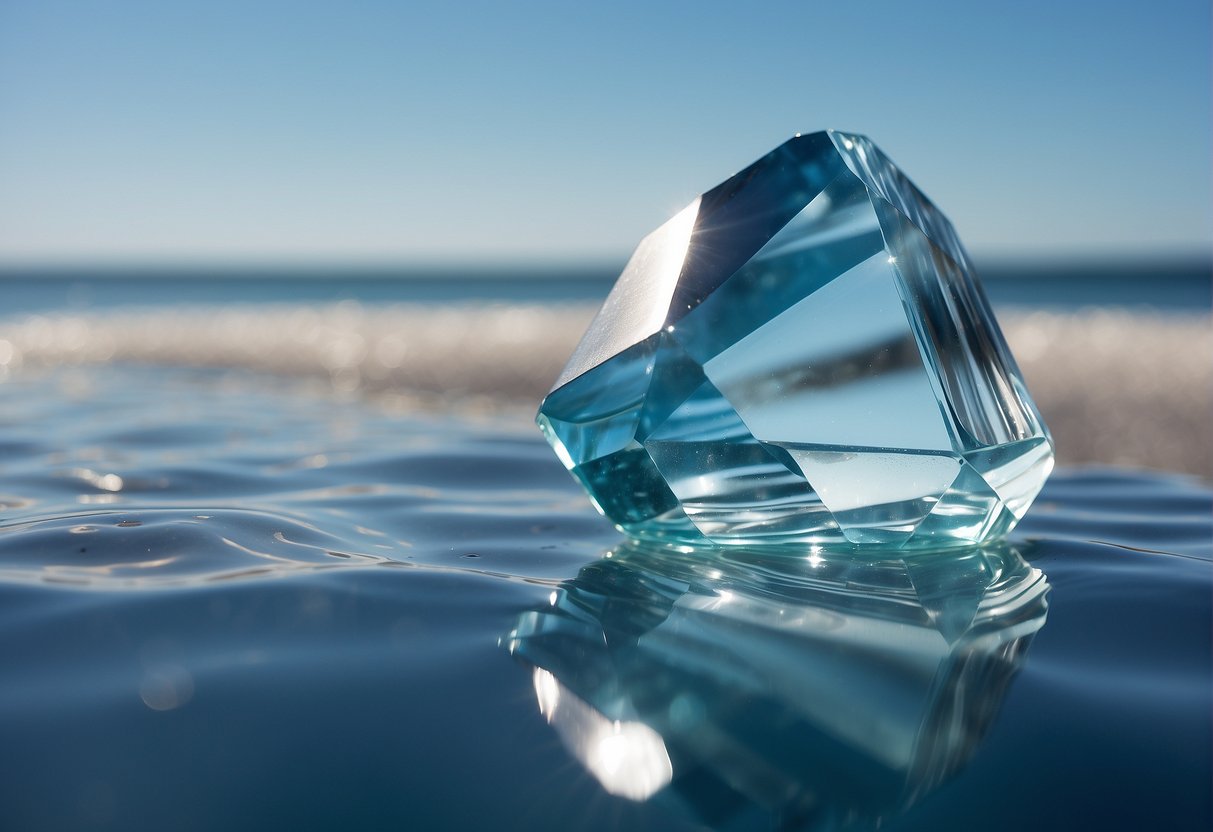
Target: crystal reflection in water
815 689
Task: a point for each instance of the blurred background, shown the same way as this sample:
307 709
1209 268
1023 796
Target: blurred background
428 200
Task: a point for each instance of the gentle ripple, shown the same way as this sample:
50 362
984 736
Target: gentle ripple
234 601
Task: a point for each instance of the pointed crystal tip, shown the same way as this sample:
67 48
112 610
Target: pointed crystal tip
802 355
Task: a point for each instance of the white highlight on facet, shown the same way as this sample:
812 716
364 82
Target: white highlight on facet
637 306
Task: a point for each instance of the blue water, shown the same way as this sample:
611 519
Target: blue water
231 602
1168 286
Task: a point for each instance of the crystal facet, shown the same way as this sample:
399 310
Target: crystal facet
803 354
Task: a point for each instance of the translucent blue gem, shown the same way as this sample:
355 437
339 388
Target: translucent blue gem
802 355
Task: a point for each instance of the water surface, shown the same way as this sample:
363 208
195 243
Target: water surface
1173 286
234 600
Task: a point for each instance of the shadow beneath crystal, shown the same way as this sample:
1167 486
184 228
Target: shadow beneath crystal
806 690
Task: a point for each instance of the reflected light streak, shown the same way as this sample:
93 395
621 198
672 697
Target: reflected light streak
629 759
104 482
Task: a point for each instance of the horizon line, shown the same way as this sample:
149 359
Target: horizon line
539 267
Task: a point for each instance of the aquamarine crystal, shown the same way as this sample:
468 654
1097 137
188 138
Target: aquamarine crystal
802 355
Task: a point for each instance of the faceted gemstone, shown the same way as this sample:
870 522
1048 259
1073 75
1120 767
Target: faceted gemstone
802 355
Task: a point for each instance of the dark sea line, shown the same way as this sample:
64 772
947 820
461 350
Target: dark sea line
1165 286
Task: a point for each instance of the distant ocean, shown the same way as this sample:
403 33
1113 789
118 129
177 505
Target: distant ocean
1162 287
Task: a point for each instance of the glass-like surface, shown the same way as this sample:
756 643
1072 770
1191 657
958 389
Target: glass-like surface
804 355
737 685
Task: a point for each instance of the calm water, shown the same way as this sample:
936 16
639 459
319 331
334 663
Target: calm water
1176 286
233 602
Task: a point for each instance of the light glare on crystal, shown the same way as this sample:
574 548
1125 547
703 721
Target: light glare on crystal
803 354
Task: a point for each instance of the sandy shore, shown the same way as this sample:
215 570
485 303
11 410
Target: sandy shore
1114 387
1121 388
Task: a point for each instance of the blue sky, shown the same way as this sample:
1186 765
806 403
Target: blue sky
418 132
